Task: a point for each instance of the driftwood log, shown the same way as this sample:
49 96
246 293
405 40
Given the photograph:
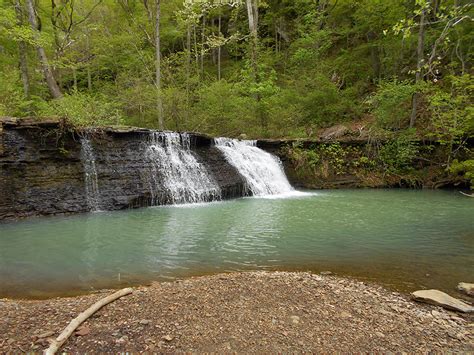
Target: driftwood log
76 322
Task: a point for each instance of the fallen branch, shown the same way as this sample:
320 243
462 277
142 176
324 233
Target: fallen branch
76 322
465 194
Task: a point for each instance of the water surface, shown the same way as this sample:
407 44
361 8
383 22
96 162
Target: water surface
404 239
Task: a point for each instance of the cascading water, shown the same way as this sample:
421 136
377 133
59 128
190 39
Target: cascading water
176 169
263 171
90 175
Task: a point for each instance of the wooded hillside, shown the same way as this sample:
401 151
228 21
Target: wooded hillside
273 68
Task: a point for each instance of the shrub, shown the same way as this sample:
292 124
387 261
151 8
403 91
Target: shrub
391 104
83 109
398 154
465 167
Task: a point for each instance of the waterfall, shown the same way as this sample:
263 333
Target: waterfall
175 169
263 171
90 175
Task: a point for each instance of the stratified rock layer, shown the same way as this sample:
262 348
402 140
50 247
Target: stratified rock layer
41 171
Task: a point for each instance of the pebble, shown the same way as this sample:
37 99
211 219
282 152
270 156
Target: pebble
46 334
168 338
295 319
345 314
83 331
122 340
384 321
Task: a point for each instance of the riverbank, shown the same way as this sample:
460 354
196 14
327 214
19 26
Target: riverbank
242 312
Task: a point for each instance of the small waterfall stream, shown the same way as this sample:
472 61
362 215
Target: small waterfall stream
173 174
175 168
263 171
90 175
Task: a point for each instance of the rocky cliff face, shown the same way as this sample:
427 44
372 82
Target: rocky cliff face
41 171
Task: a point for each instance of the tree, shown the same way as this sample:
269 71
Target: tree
252 13
22 53
419 59
219 48
159 101
47 72
295 65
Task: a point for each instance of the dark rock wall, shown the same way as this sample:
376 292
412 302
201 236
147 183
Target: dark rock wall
41 171
37 176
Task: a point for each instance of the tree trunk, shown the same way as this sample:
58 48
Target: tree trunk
252 11
203 37
276 39
22 52
188 68
159 101
419 66
89 75
188 49
219 50
57 43
48 74
89 79
196 53
74 75
374 53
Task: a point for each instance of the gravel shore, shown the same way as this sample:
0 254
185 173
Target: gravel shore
265 312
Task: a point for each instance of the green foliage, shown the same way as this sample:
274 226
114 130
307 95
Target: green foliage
397 155
83 109
302 158
335 155
12 102
318 63
220 109
465 167
391 104
365 162
9 28
323 159
452 113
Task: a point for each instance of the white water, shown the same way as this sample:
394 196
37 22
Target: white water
174 167
90 175
263 171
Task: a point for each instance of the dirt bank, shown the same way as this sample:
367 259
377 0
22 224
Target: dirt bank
242 312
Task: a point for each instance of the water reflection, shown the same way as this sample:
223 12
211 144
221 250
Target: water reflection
395 237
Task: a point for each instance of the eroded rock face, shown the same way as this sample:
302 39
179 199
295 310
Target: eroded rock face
442 299
37 175
41 171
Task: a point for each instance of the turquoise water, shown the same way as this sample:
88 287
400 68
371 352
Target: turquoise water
405 239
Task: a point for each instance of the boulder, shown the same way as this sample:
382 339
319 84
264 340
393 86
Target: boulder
442 299
334 132
467 288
